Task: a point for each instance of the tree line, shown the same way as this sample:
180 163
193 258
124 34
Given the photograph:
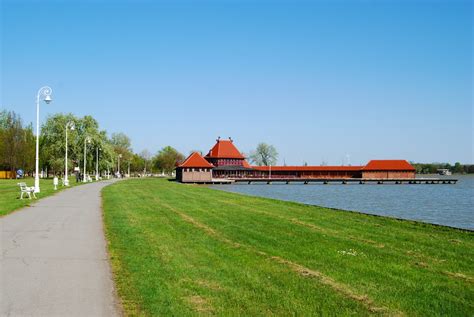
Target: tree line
432 168
17 142
17 147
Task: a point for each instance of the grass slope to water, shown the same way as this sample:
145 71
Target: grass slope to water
189 250
10 193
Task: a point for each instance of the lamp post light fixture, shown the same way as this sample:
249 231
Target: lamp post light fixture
119 156
97 163
86 140
44 93
69 126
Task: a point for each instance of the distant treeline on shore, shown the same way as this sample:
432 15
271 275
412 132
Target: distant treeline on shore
432 168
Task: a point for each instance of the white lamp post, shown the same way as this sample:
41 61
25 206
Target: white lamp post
119 156
97 163
86 140
44 93
69 125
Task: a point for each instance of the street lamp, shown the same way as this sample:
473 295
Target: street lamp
97 163
69 125
44 93
119 156
86 140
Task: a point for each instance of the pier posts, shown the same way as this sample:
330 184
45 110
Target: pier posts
343 181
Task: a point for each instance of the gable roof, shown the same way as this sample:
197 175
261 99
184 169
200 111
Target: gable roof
224 149
196 160
246 164
392 165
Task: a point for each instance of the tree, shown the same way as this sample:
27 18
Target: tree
16 142
122 145
458 168
264 155
146 157
167 158
53 147
120 140
52 142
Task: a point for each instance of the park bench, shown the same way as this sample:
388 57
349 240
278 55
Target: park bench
25 189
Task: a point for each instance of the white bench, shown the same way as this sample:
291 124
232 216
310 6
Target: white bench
26 190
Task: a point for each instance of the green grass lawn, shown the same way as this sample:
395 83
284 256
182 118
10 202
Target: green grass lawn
190 250
10 192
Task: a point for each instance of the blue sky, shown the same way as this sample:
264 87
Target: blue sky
317 79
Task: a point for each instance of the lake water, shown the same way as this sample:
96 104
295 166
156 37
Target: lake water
449 205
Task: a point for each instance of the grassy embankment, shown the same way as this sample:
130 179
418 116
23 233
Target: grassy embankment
10 193
188 250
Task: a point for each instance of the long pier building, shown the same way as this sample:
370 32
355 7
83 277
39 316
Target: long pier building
224 162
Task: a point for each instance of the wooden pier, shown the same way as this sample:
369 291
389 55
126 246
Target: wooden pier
379 181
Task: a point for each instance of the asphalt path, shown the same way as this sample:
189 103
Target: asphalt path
54 259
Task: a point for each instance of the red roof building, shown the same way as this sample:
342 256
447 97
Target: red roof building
393 165
194 169
309 171
195 160
224 153
307 168
225 161
388 169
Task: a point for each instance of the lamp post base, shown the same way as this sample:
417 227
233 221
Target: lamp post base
37 187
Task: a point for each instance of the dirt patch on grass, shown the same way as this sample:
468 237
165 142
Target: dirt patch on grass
368 241
210 231
199 304
423 258
305 224
421 264
460 276
339 287
209 284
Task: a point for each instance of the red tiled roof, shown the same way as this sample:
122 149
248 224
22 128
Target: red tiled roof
392 165
309 168
224 149
246 164
196 160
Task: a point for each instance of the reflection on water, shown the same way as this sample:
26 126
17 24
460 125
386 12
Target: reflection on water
450 205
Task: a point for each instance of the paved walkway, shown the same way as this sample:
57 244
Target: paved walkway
54 258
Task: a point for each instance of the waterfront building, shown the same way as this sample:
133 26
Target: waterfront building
195 169
388 169
225 161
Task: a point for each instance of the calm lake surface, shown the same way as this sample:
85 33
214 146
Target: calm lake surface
449 205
